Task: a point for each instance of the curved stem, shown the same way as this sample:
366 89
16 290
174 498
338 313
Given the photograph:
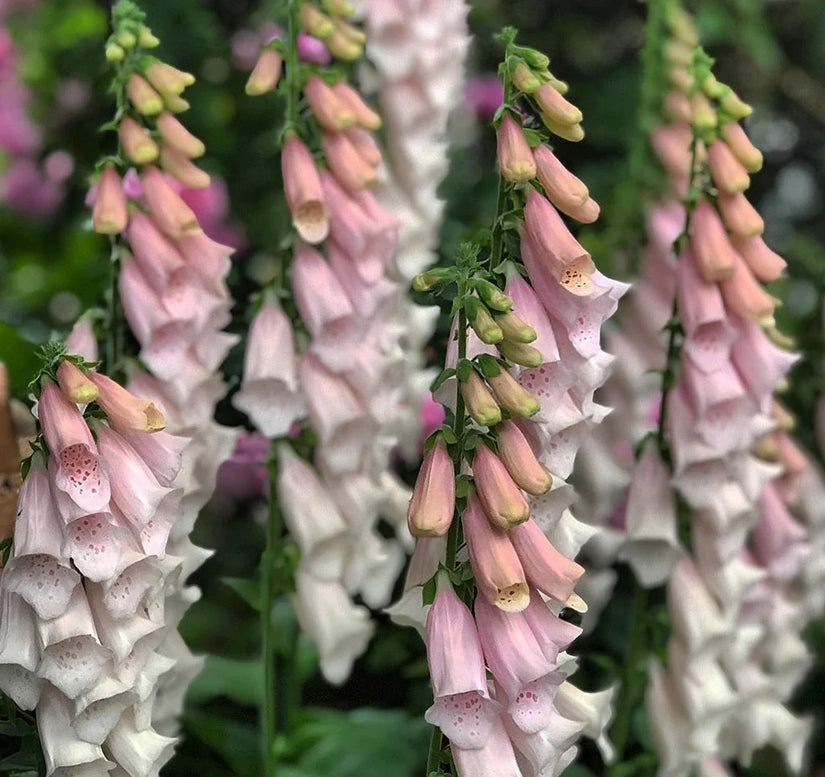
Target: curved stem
291 75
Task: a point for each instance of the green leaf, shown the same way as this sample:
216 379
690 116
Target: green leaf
445 375
428 591
237 743
248 590
463 370
462 486
238 679
488 365
448 435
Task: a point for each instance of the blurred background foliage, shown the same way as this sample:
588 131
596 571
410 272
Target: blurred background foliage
52 267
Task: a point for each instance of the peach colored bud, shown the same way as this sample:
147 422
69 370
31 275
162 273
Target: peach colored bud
765 448
481 405
503 501
137 143
168 80
110 214
518 457
304 195
681 25
181 167
482 322
515 160
175 103
784 419
563 189
515 328
703 115
524 79
176 136
740 217
345 163
726 170
350 32
364 144
744 296
672 146
494 561
264 76
677 107
764 263
748 155
512 397
793 460
678 53
74 384
174 217
144 99
331 112
555 107
433 499
680 78
520 353
586 213
314 21
343 48
124 409
365 116
572 132
338 7
712 250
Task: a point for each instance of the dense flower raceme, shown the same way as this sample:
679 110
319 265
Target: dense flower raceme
349 379
418 52
520 534
735 651
91 598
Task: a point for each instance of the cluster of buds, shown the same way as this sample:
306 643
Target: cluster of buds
418 52
93 593
526 378
342 39
346 377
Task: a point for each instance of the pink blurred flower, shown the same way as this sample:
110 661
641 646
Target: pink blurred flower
312 49
244 477
483 95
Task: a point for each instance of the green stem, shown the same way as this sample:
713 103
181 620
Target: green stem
632 677
434 754
497 237
293 86
273 537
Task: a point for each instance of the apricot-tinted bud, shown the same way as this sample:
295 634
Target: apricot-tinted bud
331 112
109 213
748 155
524 79
555 107
511 396
176 136
503 501
478 399
365 116
520 353
137 143
727 172
518 457
181 168
515 159
314 21
740 217
433 498
264 76
168 80
572 132
482 322
142 96
515 328
764 263
74 384
343 48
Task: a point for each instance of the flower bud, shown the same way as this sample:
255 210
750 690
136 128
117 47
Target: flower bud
561 87
168 80
180 167
433 498
331 112
349 32
511 396
515 160
764 263
264 76
425 281
110 214
341 47
563 188
524 79
503 501
572 132
727 172
175 103
740 217
314 21
734 106
495 564
677 108
482 322
146 39
520 353
518 457
115 53
176 136
137 143
338 7
481 405
712 87
493 297
741 147
124 409
365 116
744 296
545 567
175 218
345 163
681 24
126 39
555 107
304 195
678 53
74 384
364 144
712 249
145 100
537 60
515 328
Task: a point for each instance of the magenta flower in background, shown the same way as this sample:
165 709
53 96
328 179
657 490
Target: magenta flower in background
243 477
483 95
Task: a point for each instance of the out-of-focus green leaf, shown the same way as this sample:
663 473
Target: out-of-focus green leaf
237 743
237 679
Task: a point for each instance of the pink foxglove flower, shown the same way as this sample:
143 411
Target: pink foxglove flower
433 499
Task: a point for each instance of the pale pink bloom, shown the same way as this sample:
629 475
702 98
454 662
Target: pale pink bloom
138 751
81 340
527 675
548 751
779 542
498 572
697 620
124 409
157 257
370 300
409 610
671 143
544 566
669 727
311 517
761 364
335 328
652 547
211 207
528 306
462 708
311 49
210 259
594 709
494 759
174 217
350 169
269 391
79 473
432 415
161 451
431 508
19 651
304 196
340 629
503 502
345 429
557 252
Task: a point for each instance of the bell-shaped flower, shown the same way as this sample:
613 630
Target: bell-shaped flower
432 504
79 473
269 391
174 217
594 709
156 255
409 610
123 409
498 572
495 758
780 543
138 752
697 621
462 708
161 451
19 650
304 196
